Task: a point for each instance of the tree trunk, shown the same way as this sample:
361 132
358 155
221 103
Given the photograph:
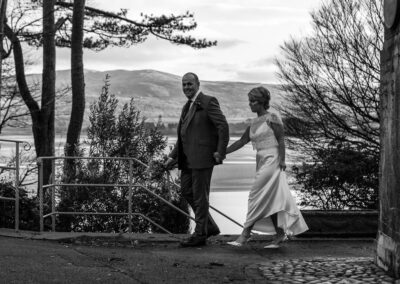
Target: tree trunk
38 116
45 128
78 86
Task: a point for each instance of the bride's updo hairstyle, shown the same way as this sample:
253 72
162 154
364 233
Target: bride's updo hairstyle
261 95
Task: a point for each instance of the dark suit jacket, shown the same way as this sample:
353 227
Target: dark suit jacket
205 131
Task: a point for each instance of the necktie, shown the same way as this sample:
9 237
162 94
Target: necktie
186 109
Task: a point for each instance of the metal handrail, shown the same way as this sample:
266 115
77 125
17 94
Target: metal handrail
16 169
130 186
52 185
213 208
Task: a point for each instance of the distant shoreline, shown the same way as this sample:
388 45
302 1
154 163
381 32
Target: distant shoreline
238 131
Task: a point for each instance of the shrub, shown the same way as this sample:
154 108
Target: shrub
343 178
29 214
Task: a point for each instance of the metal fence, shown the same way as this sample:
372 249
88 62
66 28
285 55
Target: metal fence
52 185
16 181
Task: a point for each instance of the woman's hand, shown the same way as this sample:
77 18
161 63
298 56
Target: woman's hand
282 165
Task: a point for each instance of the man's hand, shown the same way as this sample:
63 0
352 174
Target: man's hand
217 158
169 163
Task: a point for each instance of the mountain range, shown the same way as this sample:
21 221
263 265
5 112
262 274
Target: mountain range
157 93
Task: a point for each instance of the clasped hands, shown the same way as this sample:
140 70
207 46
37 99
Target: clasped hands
217 158
170 163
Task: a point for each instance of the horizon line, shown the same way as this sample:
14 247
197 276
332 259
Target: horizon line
158 71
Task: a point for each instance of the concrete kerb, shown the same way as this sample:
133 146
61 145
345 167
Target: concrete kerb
152 237
70 236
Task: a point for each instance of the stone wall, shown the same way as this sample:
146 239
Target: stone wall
341 223
388 240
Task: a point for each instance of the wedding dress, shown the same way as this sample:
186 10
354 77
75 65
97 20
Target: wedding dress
270 192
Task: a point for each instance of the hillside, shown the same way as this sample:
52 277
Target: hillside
158 93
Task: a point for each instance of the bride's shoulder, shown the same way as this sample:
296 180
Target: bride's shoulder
274 117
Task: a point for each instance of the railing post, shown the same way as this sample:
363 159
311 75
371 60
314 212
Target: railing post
17 187
130 197
40 188
53 195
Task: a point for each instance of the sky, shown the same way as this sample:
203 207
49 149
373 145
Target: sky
249 35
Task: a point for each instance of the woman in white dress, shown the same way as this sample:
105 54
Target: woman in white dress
271 207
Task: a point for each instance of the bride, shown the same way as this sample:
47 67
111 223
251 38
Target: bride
271 207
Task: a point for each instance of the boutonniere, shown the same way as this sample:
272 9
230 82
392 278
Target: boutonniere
198 106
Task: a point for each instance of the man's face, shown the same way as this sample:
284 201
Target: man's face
190 86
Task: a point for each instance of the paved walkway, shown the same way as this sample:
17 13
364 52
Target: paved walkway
142 258
326 270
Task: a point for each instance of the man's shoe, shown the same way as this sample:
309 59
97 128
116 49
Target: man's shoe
194 241
213 232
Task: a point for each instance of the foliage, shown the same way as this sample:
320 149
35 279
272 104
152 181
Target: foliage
103 28
331 79
121 135
29 214
344 178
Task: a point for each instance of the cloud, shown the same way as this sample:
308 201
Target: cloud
257 76
249 34
263 62
228 43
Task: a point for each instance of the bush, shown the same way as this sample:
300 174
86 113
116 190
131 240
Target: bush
29 214
343 178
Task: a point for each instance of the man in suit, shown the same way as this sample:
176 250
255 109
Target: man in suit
203 135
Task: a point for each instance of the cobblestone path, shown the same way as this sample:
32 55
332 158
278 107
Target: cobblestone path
325 271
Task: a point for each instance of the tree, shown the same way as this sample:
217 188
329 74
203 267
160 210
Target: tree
42 118
120 135
101 29
332 82
78 84
44 131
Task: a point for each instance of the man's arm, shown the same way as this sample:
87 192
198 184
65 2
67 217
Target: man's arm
218 119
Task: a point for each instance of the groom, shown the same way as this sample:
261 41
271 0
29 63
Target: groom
203 135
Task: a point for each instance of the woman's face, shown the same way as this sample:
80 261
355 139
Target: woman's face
254 104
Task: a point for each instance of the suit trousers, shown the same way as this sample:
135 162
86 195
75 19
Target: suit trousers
195 185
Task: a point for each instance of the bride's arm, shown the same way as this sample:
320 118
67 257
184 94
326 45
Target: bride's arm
280 137
241 142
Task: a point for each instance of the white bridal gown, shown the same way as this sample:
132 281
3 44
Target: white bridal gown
270 192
